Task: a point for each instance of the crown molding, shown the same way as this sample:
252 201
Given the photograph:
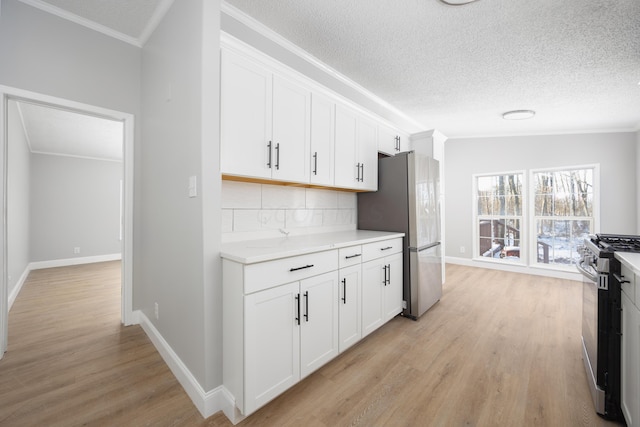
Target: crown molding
268 33
46 7
156 19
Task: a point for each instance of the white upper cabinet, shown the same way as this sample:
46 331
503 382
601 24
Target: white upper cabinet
347 169
391 141
322 134
368 154
276 124
291 131
265 122
245 117
356 154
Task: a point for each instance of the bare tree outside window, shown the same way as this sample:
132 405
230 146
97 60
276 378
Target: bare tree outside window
563 213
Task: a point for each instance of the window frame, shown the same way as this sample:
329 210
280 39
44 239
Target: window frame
522 260
532 234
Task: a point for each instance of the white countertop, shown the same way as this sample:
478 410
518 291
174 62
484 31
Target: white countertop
252 251
631 259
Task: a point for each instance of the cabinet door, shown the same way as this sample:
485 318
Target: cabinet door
349 302
272 344
346 165
372 294
387 140
319 321
403 142
245 117
322 134
393 288
368 154
291 131
630 369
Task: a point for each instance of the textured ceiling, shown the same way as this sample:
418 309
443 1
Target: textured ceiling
61 132
458 68
454 68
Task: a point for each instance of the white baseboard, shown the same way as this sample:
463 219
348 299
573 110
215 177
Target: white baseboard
37 265
16 290
558 274
207 402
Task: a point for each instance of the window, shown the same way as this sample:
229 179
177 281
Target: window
563 213
562 210
499 218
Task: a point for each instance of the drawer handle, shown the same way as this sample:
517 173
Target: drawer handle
388 247
352 256
301 268
620 279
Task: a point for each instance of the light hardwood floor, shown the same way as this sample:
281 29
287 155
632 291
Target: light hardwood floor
499 349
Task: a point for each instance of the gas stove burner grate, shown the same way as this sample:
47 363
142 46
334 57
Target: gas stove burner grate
619 242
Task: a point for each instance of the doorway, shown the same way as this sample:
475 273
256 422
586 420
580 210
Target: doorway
8 94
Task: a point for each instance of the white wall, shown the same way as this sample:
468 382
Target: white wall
251 211
75 202
18 209
179 268
615 152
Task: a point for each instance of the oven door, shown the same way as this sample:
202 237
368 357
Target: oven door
590 349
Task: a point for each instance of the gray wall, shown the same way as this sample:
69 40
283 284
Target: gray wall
180 267
18 178
615 152
75 202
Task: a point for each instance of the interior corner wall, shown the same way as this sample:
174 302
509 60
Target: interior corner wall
75 203
18 178
614 152
177 99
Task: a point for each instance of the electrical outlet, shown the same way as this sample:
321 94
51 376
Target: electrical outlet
157 311
462 249
76 250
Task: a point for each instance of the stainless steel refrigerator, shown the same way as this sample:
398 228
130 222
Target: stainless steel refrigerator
408 201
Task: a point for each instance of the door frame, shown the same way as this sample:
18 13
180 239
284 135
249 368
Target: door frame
7 93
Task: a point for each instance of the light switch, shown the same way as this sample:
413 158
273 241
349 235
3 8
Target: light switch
193 186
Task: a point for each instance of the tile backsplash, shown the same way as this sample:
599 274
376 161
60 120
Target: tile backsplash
254 211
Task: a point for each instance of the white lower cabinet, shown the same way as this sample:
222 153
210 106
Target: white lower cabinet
291 331
285 318
349 306
630 351
318 321
381 291
381 283
630 372
272 344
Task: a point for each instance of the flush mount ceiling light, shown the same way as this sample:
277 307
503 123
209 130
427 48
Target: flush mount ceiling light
457 2
518 114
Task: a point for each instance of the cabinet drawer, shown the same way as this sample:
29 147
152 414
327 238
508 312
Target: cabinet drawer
350 256
380 249
628 288
267 274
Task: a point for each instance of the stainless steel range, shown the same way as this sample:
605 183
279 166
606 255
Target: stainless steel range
601 309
